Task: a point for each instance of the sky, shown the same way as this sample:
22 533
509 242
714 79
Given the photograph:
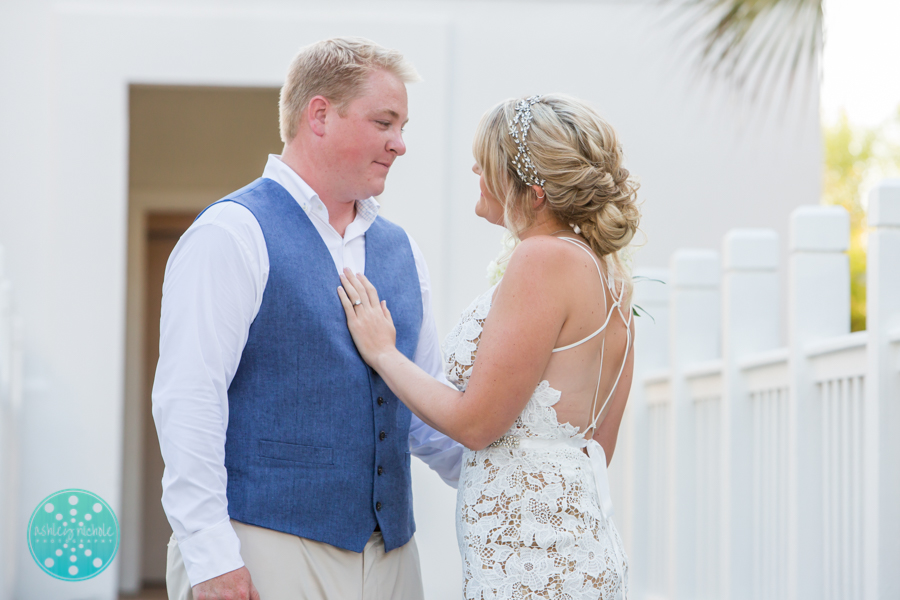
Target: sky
861 62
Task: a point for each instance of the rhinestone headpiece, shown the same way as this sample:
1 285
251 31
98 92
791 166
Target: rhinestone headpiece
518 129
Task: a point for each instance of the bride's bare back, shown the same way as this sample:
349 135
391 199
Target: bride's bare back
596 311
574 300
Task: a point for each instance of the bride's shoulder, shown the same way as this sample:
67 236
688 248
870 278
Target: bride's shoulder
542 257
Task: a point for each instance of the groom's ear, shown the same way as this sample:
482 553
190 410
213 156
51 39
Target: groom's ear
316 113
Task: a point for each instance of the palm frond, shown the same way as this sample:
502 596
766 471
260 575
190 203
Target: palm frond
755 44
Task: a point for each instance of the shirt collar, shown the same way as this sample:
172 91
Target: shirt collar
307 198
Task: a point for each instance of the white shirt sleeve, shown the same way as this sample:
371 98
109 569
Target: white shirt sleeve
440 453
211 294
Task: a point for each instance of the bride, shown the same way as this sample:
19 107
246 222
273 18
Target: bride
541 361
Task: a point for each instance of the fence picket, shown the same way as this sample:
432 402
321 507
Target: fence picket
799 500
880 411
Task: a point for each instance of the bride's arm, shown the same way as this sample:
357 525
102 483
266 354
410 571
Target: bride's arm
527 314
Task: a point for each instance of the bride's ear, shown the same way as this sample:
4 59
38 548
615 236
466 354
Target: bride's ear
539 196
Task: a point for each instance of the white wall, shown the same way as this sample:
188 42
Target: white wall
65 69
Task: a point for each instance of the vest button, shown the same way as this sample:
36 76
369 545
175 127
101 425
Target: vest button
380 400
378 506
382 435
380 470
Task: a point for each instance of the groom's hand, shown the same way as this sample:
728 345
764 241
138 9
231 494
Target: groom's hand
234 585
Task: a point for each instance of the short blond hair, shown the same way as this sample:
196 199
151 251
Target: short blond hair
336 69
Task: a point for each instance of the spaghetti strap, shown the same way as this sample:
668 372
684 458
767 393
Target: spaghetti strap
596 416
583 246
588 338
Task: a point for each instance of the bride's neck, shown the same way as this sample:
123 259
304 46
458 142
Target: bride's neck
544 225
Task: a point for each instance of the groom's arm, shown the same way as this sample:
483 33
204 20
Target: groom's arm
440 453
211 293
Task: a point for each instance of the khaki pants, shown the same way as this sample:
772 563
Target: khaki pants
286 567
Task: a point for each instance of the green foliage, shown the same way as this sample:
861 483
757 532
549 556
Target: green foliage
855 157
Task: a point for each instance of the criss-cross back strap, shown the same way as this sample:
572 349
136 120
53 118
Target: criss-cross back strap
616 307
584 247
596 416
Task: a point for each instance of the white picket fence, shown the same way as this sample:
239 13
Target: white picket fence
753 470
10 403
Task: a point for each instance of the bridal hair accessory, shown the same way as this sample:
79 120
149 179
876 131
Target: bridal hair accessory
518 129
575 228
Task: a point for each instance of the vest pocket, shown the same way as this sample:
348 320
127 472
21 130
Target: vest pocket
296 453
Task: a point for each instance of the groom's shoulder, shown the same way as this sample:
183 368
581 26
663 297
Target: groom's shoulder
257 185
240 203
234 197
253 191
234 211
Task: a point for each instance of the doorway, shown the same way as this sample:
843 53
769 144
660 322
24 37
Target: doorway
163 231
188 147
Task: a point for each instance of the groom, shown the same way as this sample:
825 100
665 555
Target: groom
287 459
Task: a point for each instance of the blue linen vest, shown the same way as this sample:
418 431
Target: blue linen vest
317 445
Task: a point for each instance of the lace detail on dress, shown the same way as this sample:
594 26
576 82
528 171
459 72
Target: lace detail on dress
529 526
538 419
461 344
530 521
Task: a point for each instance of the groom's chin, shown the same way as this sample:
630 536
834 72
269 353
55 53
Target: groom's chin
376 188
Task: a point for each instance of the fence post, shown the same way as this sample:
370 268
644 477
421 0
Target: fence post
881 411
695 327
750 324
651 352
818 307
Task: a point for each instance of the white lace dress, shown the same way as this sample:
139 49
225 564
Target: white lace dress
533 515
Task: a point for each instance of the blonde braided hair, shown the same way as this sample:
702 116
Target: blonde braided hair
578 156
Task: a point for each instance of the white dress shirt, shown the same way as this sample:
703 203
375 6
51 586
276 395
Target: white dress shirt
212 292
